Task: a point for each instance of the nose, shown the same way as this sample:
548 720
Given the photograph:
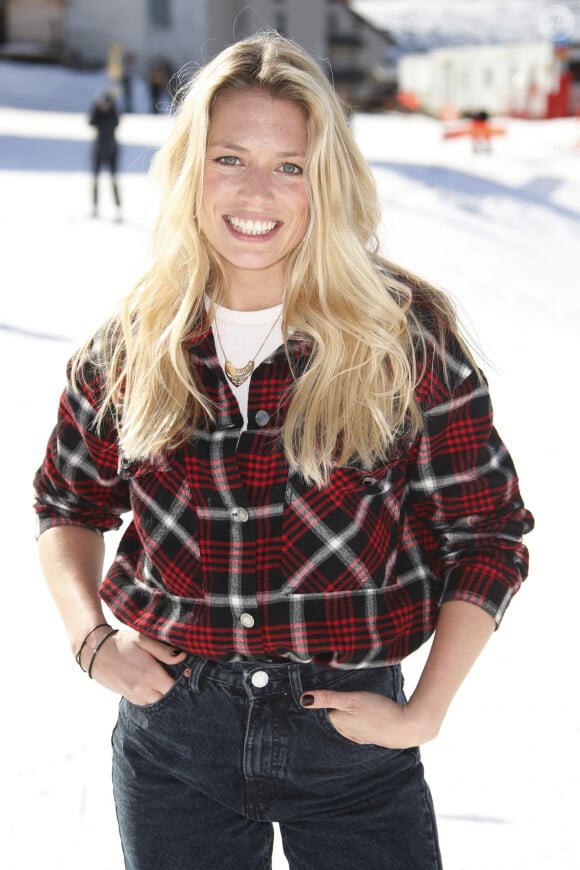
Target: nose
256 184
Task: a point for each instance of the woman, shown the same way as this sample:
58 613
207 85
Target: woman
316 487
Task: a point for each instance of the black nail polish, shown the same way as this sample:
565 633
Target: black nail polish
175 652
307 700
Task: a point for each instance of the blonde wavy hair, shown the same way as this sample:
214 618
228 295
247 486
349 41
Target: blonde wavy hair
356 394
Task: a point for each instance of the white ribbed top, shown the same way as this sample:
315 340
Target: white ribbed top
242 333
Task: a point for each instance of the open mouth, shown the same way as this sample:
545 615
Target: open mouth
251 228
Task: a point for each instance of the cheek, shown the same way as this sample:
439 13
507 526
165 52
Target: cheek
212 191
208 215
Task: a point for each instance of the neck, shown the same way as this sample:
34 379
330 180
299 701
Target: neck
250 294
260 303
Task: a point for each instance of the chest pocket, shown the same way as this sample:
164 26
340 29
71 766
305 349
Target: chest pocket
129 469
343 537
165 519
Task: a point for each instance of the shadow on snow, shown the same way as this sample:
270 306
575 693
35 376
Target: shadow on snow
31 333
65 155
446 180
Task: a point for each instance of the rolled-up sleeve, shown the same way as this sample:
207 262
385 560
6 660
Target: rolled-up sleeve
78 482
464 486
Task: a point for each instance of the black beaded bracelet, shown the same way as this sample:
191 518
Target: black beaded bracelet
84 643
97 648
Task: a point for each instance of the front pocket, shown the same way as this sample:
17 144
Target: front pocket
327 724
386 681
168 698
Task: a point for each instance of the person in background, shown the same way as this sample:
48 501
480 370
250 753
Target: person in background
307 449
104 118
127 77
158 81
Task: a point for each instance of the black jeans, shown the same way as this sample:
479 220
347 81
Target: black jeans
200 776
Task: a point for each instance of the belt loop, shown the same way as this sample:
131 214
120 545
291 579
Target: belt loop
196 668
295 678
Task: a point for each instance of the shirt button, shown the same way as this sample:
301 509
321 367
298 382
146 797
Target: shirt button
247 620
259 679
240 514
262 417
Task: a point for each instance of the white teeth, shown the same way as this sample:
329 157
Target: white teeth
251 228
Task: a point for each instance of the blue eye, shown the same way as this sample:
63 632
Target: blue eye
291 169
228 160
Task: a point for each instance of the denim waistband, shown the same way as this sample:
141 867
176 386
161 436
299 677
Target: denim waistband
258 679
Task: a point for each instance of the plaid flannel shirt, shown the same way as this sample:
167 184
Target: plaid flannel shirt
230 556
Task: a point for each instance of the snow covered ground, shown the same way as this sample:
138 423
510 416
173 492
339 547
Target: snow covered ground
502 233
424 24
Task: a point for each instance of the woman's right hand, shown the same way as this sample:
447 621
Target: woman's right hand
128 663
131 664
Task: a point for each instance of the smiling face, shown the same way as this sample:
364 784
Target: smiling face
255 207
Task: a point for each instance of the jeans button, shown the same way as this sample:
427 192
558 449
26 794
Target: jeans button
259 679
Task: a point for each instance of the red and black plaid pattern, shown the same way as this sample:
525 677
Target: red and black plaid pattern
228 555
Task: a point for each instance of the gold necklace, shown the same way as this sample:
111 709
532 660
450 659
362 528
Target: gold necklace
235 375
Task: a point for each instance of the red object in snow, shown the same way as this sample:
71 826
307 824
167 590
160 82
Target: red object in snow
560 103
479 129
408 100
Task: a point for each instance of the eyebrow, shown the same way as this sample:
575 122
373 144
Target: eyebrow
232 146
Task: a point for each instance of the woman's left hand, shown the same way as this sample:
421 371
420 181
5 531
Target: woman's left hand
367 717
